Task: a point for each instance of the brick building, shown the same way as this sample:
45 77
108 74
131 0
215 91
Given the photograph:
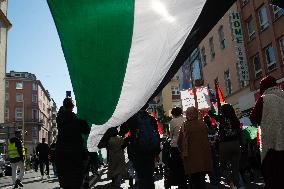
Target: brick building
263 26
29 107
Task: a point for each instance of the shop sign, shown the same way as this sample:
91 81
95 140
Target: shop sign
235 19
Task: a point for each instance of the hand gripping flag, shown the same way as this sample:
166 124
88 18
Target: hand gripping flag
118 52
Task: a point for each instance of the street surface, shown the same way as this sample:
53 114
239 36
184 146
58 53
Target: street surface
105 183
32 180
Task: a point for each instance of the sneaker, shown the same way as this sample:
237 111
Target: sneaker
48 177
41 178
19 183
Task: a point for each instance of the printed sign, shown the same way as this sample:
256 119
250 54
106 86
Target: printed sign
236 27
203 99
187 99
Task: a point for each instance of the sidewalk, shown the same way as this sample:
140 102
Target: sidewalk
32 180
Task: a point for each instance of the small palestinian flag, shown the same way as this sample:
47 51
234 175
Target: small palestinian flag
219 97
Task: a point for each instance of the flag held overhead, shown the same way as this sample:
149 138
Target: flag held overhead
118 52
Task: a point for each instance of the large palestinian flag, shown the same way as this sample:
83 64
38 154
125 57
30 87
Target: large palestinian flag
119 51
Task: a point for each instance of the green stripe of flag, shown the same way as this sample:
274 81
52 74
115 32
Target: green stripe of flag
96 39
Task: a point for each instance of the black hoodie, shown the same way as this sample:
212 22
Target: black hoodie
70 152
18 144
70 130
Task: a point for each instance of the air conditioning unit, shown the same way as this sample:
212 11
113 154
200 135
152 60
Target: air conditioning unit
252 36
258 74
264 26
271 66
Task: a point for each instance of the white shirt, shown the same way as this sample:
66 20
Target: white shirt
175 125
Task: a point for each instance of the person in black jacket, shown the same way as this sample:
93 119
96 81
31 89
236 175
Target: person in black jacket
52 156
143 162
70 151
16 154
42 151
230 140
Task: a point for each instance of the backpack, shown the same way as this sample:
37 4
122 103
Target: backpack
146 139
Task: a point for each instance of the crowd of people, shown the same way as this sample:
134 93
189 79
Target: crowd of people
213 145
195 146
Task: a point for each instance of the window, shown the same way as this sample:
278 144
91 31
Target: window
250 28
19 97
175 93
34 87
34 114
203 56
263 19
222 37
19 85
7 96
281 44
228 82
277 11
211 46
43 119
6 113
19 113
270 58
175 90
244 2
257 67
7 84
34 98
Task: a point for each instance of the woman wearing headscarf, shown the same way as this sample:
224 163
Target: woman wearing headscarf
230 141
195 149
269 114
116 159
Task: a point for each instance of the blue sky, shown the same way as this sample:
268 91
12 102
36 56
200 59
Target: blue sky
34 46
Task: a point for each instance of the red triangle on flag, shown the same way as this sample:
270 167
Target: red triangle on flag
219 93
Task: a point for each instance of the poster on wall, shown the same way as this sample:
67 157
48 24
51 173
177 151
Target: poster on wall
202 95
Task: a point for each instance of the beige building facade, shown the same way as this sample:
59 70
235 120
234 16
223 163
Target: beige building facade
5 25
221 59
170 96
